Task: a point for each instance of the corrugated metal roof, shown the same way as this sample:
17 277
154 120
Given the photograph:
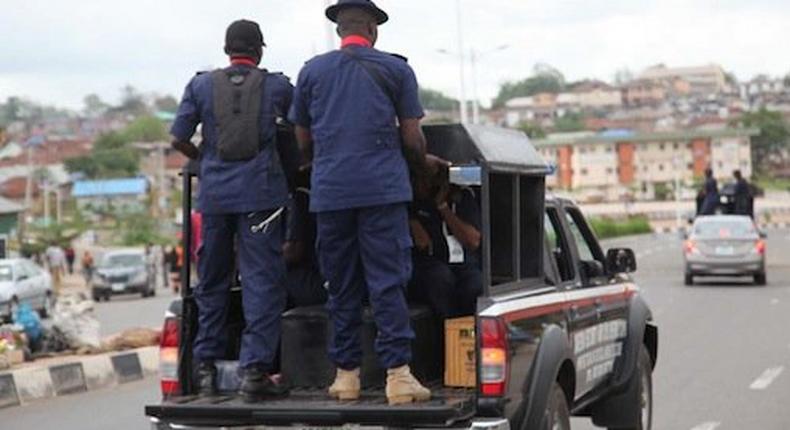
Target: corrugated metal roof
663 136
110 187
9 207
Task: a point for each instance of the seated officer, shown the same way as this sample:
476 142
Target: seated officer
445 226
242 192
303 280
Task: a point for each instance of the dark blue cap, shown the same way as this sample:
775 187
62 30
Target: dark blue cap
334 10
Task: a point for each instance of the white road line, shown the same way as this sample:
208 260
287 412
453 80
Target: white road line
774 301
767 378
710 425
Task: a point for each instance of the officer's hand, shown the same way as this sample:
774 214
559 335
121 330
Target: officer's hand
435 164
422 241
442 194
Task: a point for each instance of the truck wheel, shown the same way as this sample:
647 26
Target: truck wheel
688 280
645 372
760 279
557 417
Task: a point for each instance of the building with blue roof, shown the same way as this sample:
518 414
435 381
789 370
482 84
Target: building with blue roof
127 195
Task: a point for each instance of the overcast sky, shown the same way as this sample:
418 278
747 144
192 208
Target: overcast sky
59 51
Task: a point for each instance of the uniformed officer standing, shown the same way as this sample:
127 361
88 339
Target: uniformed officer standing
242 191
357 109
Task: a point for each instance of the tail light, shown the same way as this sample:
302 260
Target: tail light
759 247
168 357
493 357
690 247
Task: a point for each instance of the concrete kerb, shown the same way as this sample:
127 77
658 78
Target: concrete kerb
75 374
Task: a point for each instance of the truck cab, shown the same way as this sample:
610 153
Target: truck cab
560 328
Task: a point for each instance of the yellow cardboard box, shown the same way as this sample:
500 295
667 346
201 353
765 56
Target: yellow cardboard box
459 362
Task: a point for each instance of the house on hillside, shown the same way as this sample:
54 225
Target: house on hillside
10 213
126 195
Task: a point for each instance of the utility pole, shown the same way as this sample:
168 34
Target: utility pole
474 58
330 34
676 165
462 95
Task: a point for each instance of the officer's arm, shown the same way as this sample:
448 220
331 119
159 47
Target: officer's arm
414 144
187 120
187 148
467 234
305 140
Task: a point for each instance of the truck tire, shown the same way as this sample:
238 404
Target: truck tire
558 416
760 279
688 280
644 371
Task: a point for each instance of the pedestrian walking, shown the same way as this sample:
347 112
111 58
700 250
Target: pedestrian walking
242 194
71 256
87 264
357 113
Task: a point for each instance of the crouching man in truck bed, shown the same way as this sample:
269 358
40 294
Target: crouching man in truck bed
445 226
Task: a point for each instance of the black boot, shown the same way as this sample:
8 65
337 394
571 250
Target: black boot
206 379
257 385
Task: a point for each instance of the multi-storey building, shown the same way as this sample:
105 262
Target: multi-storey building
702 80
616 161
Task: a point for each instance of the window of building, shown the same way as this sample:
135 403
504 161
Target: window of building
675 146
584 172
660 167
661 147
690 166
582 150
609 170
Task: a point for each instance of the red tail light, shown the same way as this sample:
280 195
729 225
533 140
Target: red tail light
690 247
493 357
168 357
759 247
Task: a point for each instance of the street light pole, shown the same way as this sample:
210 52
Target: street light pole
474 57
462 98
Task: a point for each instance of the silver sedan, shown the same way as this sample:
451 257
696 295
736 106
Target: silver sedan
22 281
725 245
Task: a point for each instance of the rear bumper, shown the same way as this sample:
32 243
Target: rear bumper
477 424
127 288
725 268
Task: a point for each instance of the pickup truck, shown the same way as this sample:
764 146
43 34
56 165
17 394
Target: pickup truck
561 329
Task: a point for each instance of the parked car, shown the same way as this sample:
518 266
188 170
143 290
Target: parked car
560 327
725 245
21 281
122 272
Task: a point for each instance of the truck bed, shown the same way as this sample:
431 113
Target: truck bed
314 407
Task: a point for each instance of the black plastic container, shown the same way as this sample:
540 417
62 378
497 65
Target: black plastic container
305 360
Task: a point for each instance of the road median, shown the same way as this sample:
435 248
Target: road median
59 376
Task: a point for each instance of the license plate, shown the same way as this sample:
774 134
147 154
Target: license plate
725 250
118 287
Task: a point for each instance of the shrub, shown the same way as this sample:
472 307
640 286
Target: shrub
607 228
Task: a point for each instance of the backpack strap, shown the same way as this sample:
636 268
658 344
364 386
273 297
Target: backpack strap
375 73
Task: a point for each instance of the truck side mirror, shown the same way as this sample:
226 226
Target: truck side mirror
620 260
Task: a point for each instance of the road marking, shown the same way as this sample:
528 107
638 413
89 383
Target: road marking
710 425
774 301
767 378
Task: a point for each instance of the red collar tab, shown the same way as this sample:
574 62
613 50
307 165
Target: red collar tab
355 40
243 61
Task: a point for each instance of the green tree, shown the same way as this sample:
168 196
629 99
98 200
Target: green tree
545 79
533 130
435 100
111 157
166 103
145 129
94 105
570 122
774 137
132 102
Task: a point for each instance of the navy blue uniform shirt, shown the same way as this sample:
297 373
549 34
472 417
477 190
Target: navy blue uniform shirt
358 160
235 186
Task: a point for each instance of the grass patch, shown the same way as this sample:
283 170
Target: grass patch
607 228
768 182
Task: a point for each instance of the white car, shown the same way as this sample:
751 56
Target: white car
22 281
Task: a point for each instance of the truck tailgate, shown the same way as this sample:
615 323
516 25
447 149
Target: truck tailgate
312 407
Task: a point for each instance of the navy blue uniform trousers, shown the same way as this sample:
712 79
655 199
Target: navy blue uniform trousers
262 269
366 252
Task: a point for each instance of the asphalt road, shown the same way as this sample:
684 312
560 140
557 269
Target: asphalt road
724 351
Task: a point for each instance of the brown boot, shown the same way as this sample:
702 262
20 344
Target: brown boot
346 385
403 387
